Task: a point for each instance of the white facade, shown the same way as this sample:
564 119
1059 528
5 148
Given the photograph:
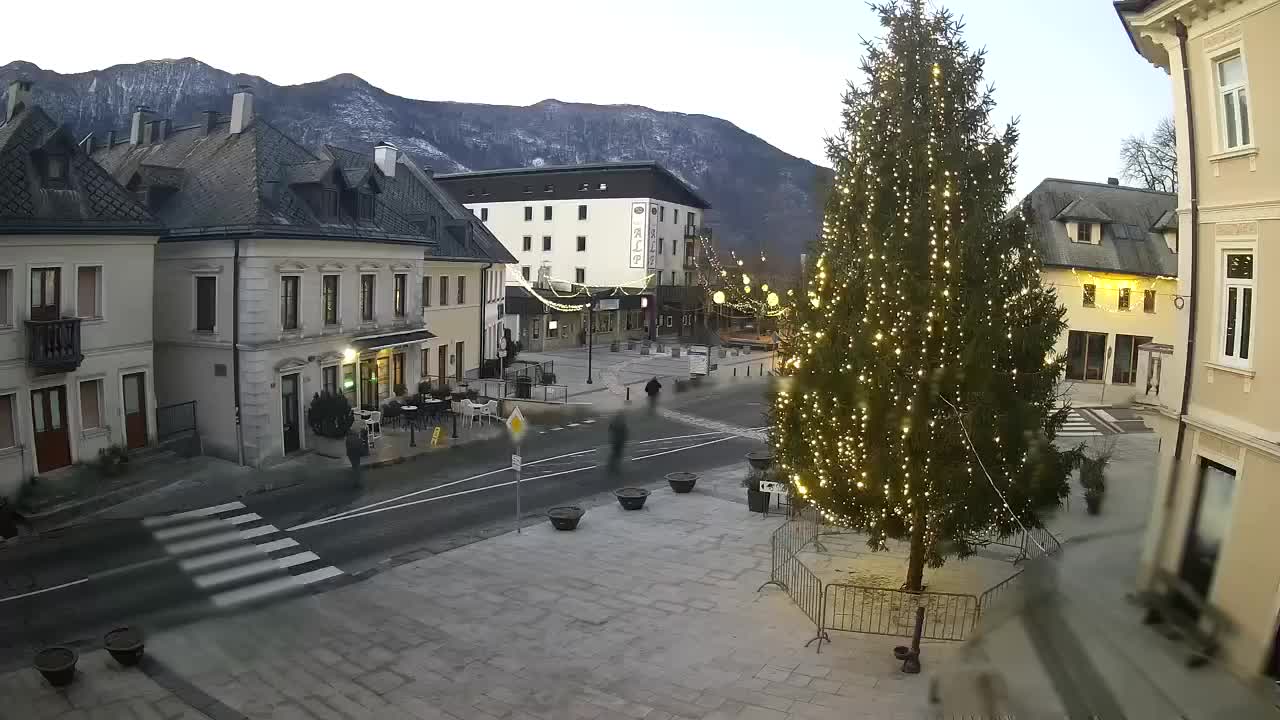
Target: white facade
282 368
606 259
105 281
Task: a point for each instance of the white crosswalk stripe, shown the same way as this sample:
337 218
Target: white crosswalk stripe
237 556
1077 427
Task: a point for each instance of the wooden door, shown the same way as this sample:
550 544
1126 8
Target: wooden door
135 410
49 420
442 362
289 412
46 293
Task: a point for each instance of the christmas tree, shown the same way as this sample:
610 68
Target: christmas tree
918 397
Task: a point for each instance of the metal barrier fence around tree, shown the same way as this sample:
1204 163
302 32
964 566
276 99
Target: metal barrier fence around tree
886 611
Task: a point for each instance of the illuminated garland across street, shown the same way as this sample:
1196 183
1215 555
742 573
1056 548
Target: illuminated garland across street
919 388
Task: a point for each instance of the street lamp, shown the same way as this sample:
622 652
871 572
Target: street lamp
591 307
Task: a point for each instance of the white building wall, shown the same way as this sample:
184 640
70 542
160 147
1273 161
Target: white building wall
117 342
606 260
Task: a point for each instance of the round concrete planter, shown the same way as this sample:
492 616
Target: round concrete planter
682 482
631 498
565 518
125 645
760 459
57 664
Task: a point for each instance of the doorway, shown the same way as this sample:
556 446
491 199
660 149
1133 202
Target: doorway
46 293
49 420
135 410
1210 521
457 364
1126 363
289 413
1086 355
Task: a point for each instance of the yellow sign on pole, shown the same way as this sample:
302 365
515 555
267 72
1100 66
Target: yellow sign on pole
517 426
436 435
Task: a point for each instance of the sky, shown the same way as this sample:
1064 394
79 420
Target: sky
775 69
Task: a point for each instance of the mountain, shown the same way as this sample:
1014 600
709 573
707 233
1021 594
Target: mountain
761 196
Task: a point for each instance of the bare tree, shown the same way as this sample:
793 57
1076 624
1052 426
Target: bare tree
1153 161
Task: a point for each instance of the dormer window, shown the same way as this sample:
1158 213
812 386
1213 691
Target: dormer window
57 167
329 203
364 206
1084 232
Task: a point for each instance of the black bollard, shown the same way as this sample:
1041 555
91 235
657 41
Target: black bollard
748 371
735 372
455 425
628 393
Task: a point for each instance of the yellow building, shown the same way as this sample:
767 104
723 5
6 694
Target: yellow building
1110 252
1216 410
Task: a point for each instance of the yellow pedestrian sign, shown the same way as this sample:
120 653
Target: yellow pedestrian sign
436 435
517 426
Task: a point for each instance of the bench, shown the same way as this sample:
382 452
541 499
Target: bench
1172 601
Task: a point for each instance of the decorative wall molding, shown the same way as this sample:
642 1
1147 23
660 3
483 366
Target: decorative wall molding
369 267
1237 229
204 269
329 358
290 363
332 267
1223 36
401 267
291 266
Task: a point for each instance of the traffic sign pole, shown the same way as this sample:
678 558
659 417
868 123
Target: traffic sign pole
518 468
516 428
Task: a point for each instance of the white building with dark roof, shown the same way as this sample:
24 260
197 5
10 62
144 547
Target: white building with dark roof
1111 253
283 271
76 254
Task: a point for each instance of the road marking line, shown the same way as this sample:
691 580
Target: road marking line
242 519
298 559
188 547
588 422
316 576
258 591
44 590
275 545
150 522
573 424
690 447
219 578
259 531
556 428
182 531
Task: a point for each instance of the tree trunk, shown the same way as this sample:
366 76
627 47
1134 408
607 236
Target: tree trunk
915 562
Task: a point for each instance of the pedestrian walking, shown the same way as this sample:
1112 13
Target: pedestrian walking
653 387
617 443
357 448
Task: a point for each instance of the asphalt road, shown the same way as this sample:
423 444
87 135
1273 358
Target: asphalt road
233 553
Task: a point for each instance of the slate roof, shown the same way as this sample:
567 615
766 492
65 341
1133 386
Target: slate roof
1131 238
1081 209
93 202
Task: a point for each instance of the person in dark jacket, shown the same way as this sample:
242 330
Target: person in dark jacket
617 442
653 387
357 447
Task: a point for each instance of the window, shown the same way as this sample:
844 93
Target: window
8 423
582 211
46 293
89 292
662 213
400 295
90 405
528 190
546 212
484 214
1149 301
524 271
580 275
397 370
458 361
1237 305
364 206
329 204
426 291
484 190
349 383
289 302
329 379
583 187
528 243
548 188
366 297
582 243
688 252
1122 300
1209 526
660 242
1086 355
6 297
546 243
528 213
432 225
604 186
675 216
1084 232
674 245
206 303
1235 103
329 296
553 328
691 220
1125 370
426 362
673 277
462 289
444 290
1090 295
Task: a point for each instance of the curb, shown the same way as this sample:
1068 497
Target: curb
65 513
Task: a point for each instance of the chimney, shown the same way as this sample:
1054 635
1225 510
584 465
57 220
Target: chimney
428 171
1113 181
384 156
241 110
210 121
87 144
19 97
153 132
111 138
138 125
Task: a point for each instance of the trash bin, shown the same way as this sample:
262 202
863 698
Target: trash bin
524 387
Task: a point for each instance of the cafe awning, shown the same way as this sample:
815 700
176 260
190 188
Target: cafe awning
369 343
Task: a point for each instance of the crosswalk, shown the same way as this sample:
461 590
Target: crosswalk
235 556
566 426
1078 427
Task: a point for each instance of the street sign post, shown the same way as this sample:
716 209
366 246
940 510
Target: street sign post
516 429
777 488
699 359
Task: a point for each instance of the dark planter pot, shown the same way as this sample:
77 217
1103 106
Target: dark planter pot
125 645
644 350
565 518
57 665
757 501
675 352
682 482
631 345
631 498
1093 504
760 459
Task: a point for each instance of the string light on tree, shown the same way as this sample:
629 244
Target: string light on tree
918 350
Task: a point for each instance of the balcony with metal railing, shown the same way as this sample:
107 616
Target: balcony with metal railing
54 345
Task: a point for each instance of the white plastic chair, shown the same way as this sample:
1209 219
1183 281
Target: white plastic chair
471 411
374 423
489 411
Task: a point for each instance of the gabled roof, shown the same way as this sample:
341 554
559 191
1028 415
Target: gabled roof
1129 244
1167 221
1082 209
92 202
